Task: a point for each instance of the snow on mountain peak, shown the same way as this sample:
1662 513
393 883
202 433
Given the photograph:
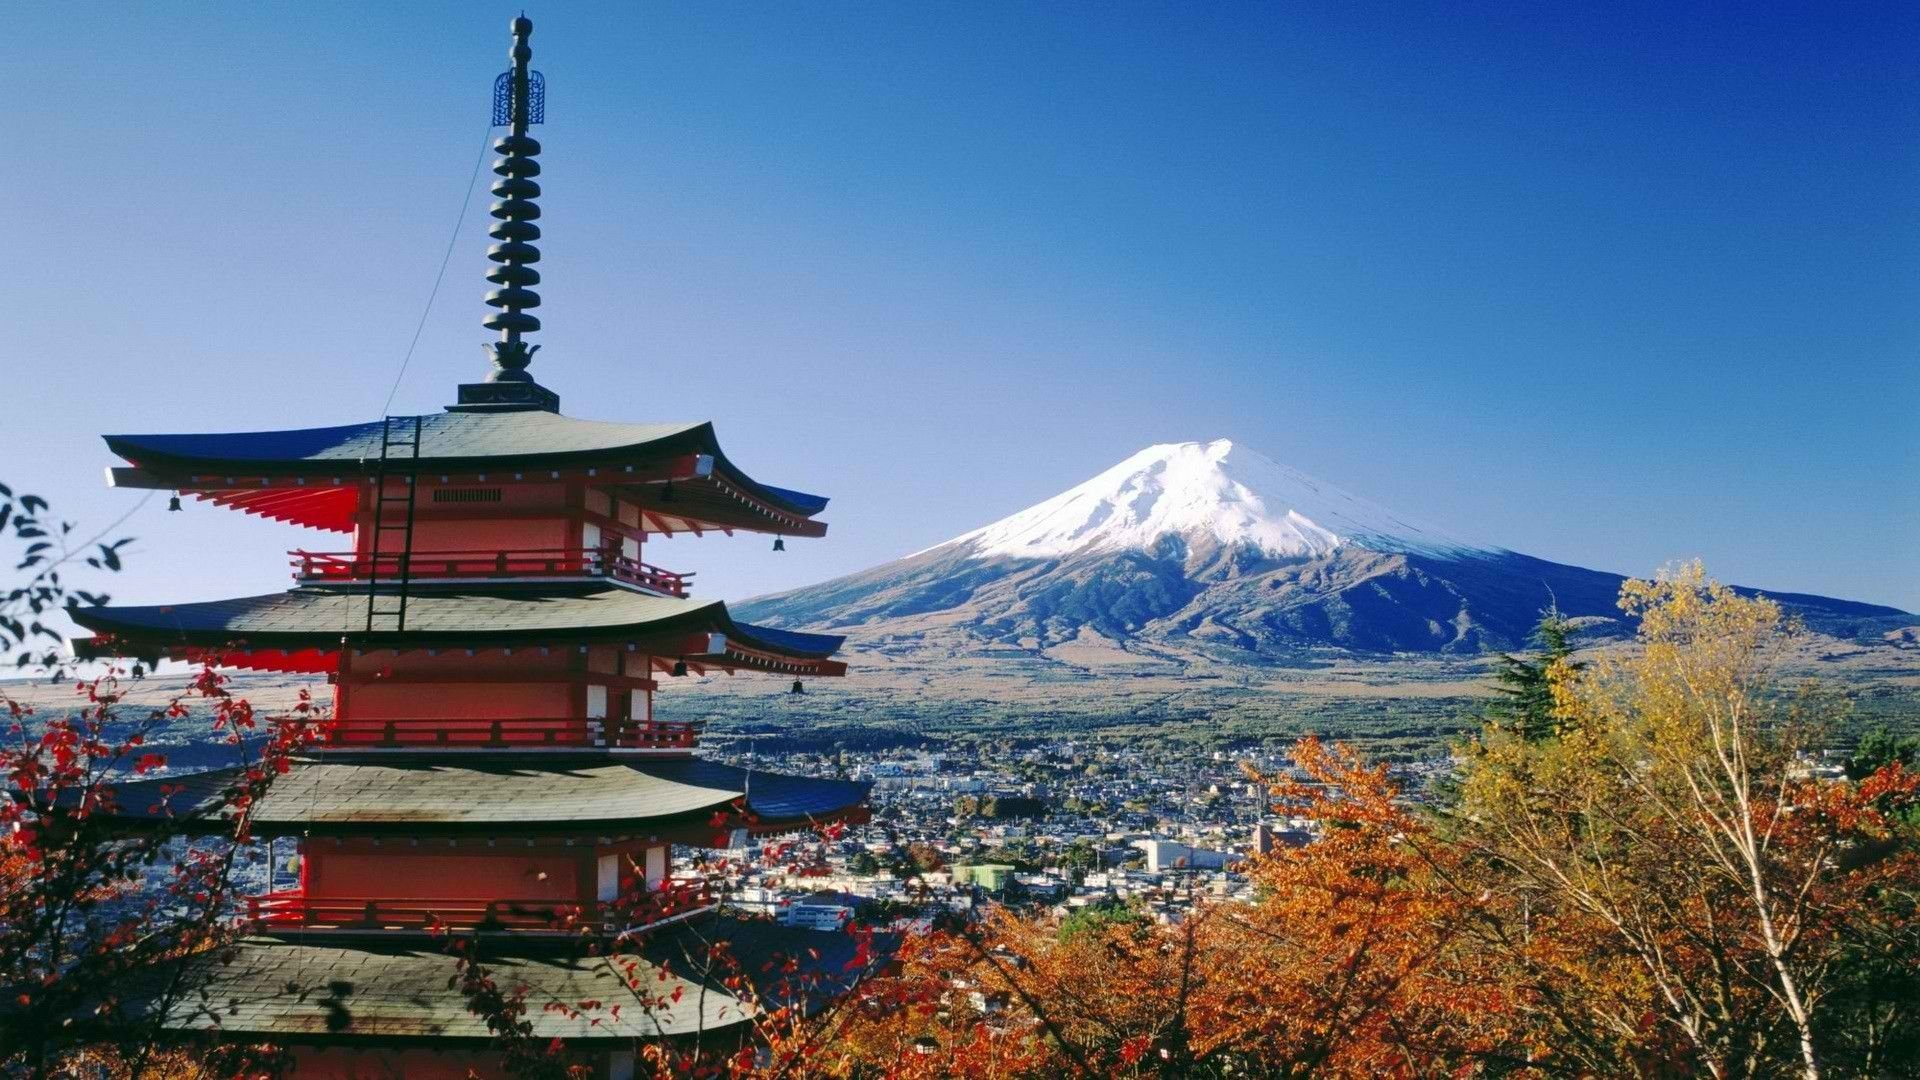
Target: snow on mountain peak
1202 490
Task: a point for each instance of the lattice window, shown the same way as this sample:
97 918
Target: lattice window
466 495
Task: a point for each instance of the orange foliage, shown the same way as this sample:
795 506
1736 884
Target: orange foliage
1350 964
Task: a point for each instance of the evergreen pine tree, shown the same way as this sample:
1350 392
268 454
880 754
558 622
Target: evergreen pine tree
1881 747
1526 705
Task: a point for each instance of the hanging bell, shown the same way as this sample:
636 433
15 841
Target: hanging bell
779 543
797 688
173 503
666 492
679 668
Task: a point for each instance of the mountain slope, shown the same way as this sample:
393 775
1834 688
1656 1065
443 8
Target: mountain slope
1213 549
1214 493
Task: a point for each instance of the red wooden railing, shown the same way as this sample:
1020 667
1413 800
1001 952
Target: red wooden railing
292 908
527 562
517 732
287 909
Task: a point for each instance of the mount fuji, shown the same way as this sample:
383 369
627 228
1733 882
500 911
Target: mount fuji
1212 548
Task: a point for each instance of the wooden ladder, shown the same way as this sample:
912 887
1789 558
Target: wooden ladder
399 452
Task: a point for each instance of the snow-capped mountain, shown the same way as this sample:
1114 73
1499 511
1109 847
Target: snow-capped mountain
1213 547
1213 493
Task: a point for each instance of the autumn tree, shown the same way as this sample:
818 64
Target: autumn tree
1349 964
1690 899
88 911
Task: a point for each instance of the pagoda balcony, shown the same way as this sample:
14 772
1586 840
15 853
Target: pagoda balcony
339 566
519 733
288 910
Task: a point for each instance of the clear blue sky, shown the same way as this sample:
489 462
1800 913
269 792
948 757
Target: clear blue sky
1608 285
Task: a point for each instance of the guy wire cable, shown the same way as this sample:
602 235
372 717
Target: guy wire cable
447 257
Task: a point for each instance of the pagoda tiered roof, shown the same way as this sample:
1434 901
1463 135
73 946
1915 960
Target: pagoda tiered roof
255 470
345 794
460 615
494 639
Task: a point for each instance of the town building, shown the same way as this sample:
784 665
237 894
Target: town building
992 877
1164 855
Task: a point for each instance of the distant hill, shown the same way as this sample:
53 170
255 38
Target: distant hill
1211 549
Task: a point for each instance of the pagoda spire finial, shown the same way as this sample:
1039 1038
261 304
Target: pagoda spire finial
519 101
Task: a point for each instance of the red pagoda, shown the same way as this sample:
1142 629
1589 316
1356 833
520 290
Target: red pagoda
494 635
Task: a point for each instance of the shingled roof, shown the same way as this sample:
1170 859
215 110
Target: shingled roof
361 987
339 793
452 441
263 987
448 614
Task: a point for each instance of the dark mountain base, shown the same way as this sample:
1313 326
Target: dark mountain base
1234 600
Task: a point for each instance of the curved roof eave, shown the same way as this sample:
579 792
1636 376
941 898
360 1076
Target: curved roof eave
421 790
443 615
482 440
791 642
